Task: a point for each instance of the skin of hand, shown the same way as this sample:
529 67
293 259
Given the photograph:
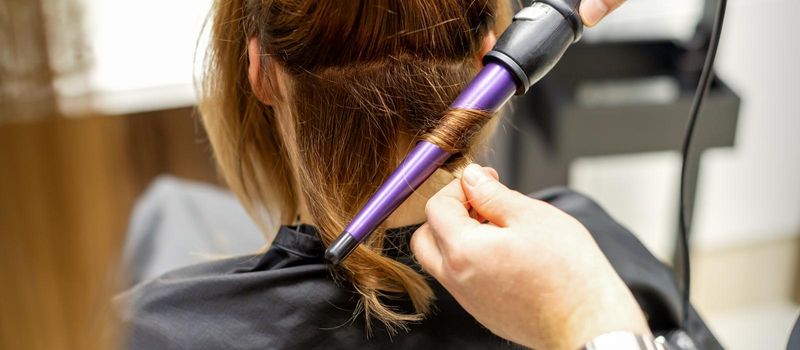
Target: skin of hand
524 269
592 11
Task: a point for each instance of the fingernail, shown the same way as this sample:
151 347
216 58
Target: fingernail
593 11
474 175
489 171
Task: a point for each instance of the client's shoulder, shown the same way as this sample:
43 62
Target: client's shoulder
220 303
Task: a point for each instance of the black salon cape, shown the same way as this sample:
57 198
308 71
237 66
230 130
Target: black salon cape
286 298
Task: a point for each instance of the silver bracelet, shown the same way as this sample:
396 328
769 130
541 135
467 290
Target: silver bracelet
625 341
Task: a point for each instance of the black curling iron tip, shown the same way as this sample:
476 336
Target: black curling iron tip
341 248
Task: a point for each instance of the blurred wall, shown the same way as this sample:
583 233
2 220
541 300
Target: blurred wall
67 186
752 194
62 212
746 232
70 171
748 194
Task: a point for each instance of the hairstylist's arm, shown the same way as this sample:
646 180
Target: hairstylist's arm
532 274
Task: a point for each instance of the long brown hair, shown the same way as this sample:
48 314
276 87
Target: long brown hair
365 80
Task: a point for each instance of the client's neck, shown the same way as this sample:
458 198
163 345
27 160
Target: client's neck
412 211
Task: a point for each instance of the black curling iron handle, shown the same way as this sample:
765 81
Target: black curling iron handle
536 40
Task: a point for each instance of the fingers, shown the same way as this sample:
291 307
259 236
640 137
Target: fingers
592 11
447 211
472 213
426 251
491 199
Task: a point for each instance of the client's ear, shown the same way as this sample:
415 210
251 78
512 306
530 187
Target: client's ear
488 43
255 73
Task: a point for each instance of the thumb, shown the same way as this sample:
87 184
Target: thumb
491 199
592 11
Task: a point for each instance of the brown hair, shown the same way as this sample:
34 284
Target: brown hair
365 80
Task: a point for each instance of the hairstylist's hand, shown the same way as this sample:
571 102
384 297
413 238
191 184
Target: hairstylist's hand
592 11
532 274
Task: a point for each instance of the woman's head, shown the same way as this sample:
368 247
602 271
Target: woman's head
313 103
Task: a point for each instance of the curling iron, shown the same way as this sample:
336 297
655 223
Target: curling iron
533 43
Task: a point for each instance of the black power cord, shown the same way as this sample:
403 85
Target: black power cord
702 88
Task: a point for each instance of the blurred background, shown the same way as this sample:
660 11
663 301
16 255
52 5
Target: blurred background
97 103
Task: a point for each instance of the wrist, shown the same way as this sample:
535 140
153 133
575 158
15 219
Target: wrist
610 308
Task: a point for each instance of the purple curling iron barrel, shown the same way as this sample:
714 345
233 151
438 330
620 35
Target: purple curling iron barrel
527 50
